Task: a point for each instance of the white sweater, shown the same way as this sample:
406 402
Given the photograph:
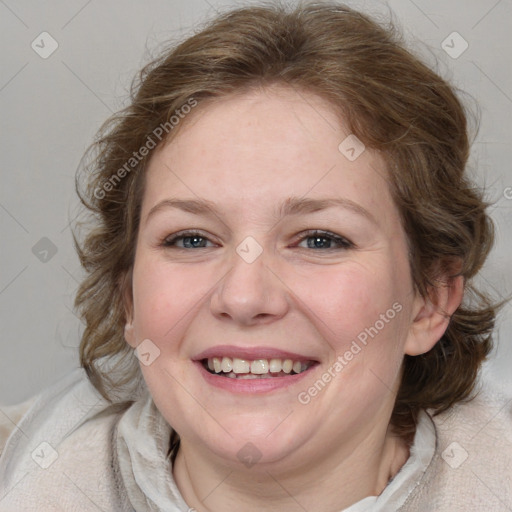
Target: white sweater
73 452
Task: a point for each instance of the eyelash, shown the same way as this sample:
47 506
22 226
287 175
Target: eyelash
343 243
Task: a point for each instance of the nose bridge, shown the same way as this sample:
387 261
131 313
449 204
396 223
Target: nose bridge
249 291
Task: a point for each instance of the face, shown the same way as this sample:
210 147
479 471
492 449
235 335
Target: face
262 241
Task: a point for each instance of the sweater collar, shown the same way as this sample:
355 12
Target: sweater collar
142 444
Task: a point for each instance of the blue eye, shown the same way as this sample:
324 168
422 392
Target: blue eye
191 240
326 240
316 240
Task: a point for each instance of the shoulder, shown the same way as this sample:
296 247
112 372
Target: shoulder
10 416
486 418
481 427
472 466
61 449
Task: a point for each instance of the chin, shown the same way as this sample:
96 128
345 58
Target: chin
256 440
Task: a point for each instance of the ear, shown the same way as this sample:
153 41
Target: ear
125 286
432 315
129 334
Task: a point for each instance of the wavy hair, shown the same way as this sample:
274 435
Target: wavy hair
391 101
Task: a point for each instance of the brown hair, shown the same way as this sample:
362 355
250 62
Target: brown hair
391 101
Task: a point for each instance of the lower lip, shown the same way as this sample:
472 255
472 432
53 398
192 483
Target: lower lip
250 385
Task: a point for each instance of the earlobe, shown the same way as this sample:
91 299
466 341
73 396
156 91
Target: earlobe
129 335
433 317
125 286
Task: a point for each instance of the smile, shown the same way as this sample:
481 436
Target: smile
236 368
253 370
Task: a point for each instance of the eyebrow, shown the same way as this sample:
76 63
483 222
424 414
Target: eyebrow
291 206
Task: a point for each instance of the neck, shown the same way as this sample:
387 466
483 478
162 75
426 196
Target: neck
327 483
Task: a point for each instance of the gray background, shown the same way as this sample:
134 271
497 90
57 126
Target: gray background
51 108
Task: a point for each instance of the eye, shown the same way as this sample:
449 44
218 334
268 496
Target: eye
189 239
317 239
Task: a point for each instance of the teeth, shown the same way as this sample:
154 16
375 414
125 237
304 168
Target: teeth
252 369
287 365
226 364
259 366
275 365
241 365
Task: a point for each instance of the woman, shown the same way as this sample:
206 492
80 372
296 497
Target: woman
279 313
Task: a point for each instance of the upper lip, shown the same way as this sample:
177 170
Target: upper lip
250 353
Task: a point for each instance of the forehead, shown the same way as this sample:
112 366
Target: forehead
278 119
262 146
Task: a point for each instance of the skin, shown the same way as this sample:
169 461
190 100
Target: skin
247 154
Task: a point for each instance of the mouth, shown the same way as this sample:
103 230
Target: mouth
237 368
252 370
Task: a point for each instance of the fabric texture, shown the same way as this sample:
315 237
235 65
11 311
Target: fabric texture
10 416
72 451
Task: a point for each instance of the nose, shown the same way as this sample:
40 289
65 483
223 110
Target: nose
249 294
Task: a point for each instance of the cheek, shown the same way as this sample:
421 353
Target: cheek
348 300
164 296
361 312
